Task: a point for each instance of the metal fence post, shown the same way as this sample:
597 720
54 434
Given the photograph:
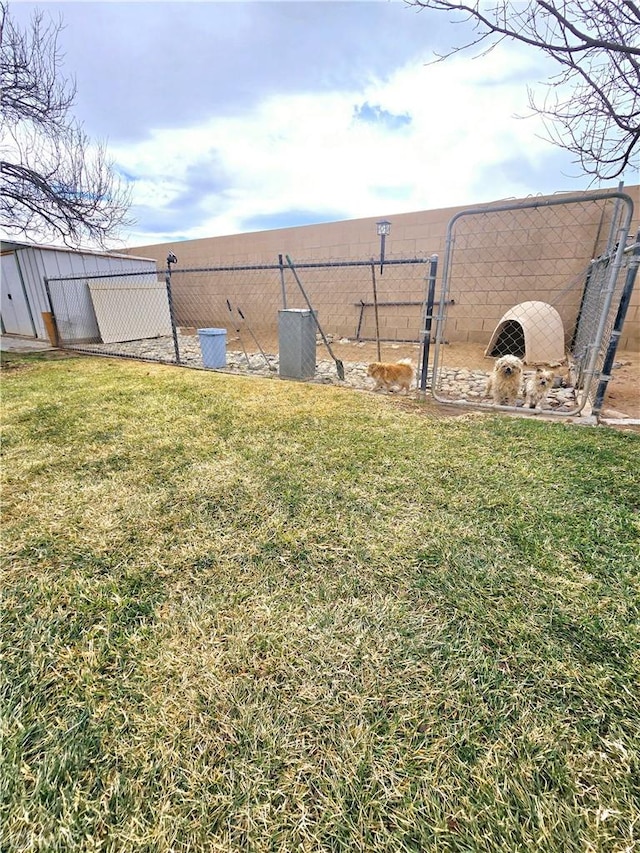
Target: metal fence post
174 330
623 305
608 292
375 308
282 284
427 320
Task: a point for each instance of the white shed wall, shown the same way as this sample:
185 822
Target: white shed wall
36 262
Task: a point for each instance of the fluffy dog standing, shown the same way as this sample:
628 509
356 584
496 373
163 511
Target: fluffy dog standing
388 375
505 381
537 386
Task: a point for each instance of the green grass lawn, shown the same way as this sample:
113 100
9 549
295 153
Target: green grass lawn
251 615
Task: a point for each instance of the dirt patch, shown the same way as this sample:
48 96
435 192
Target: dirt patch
623 392
17 360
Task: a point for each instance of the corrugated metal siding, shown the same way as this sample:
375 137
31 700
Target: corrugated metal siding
32 276
35 263
16 314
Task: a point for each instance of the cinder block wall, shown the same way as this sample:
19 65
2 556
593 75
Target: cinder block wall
498 259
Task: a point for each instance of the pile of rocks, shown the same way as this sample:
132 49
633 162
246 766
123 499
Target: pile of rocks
455 384
470 386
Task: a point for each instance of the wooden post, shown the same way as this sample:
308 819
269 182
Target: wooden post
50 325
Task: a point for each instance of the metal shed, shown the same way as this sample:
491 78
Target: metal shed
24 299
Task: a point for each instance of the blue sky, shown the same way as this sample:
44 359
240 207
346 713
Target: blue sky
232 117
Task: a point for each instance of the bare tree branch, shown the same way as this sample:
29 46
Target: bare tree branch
597 44
54 183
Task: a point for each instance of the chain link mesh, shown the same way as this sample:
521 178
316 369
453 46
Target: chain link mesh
514 284
514 288
161 317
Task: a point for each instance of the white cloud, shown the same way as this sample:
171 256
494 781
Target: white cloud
308 152
240 116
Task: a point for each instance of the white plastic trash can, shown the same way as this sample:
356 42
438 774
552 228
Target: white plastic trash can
213 346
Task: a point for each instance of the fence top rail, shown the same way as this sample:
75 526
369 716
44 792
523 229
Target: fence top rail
531 204
105 274
388 262
534 203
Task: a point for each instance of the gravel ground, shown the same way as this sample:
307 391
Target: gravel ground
459 384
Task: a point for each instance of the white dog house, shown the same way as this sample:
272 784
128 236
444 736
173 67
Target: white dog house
531 330
25 266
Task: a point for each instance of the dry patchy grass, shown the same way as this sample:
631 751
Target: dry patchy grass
246 614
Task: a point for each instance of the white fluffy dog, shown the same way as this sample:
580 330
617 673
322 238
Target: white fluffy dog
505 381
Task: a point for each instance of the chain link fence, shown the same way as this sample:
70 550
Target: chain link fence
512 294
264 313
516 284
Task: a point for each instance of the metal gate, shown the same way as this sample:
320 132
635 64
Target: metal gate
508 292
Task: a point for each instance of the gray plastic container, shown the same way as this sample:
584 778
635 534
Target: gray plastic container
297 343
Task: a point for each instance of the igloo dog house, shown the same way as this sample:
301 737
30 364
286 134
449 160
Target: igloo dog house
531 330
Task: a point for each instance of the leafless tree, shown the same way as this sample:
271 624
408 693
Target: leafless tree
592 106
54 183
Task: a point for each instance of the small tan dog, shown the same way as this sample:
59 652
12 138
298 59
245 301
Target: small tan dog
505 381
537 386
388 375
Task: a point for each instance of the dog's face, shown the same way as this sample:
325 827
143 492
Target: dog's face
505 380
543 379
537 386
508 366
